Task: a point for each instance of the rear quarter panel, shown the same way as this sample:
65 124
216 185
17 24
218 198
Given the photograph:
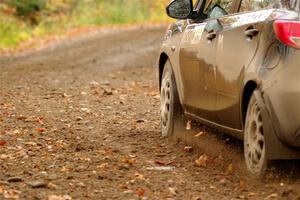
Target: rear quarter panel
278 66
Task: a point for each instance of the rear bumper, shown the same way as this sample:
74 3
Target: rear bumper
275 147
281 94
284 112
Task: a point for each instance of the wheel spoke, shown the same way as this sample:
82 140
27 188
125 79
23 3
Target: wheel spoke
254 139
258 148
165 98
166 116
256 158
260 138
253 158
259 124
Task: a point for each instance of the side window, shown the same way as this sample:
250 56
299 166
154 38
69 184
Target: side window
224 5
248 5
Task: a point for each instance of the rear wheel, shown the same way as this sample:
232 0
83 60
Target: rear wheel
254 140
170 106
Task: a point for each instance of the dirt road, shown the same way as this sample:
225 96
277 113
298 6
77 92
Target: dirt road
80 120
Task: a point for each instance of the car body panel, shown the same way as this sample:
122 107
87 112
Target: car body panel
212 77
197 64
234 54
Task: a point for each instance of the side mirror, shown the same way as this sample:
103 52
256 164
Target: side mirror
180 9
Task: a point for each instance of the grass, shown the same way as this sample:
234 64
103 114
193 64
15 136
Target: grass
58 18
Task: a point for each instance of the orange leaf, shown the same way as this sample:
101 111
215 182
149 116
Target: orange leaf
140 192
229 169
2 142
202 161
41 130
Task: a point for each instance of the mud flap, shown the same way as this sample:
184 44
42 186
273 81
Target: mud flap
275 149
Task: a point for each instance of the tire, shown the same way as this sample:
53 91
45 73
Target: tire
254 140
170 107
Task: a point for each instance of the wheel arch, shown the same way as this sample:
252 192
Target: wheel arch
275 149
161 64
248 90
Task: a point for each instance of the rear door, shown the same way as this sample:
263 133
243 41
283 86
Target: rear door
237 44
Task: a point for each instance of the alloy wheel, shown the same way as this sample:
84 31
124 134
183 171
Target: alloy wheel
165 102
254 141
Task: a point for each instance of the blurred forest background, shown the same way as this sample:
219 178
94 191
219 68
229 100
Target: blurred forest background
22 20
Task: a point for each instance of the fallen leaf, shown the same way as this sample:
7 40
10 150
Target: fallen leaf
52 186
229 169
242 185
139 176
189 125
40 120
140 192
41 130
94 84
123 186
87 110
59 197
173 191
65 95
2 142
11 194
252 194
160 162
95 92
79 118
83 93
271 196
188 149
21 117
202 161
199 134
30 143
153 93
102 166
107 92
128 161
16 132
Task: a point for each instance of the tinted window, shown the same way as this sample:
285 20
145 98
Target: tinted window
248 5
288 4
225 4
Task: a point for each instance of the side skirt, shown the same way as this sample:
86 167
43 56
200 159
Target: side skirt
234 132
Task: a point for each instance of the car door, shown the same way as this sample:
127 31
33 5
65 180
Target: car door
237 44
197 59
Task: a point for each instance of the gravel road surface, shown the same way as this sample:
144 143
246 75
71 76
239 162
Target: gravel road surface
80 120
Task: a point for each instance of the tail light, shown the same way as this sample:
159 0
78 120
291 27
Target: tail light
288 32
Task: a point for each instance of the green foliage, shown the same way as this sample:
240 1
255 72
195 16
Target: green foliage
112 12
28 7
12 32
22 19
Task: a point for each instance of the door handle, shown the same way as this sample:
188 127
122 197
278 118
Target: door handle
211 36
251 32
